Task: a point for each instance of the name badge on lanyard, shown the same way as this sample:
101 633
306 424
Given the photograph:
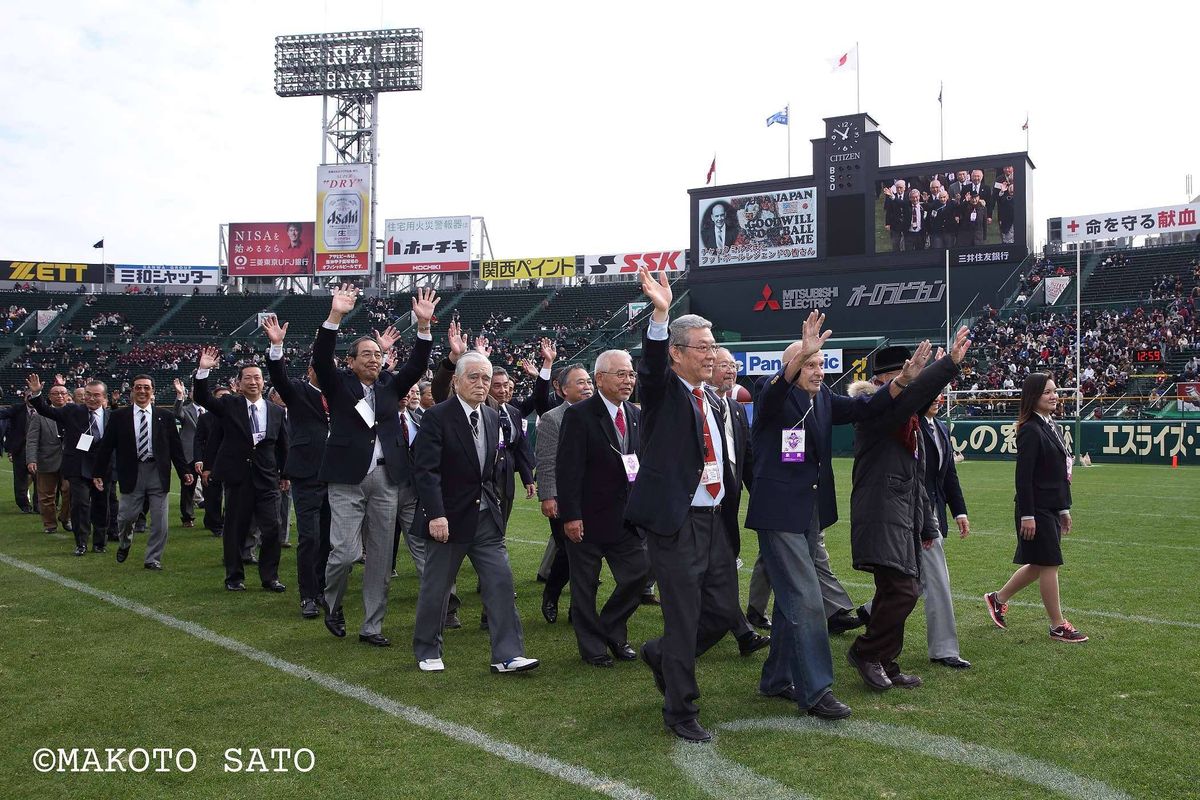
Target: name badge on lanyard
631 466
84 443
712 473
500 439
792 448
1070 467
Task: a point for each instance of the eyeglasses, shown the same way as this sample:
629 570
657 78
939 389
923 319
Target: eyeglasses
707 348
477 377
624 375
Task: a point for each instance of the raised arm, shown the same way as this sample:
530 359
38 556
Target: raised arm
209 356
276 367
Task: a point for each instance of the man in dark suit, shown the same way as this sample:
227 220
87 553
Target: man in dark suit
83 425
972 221
677 499
364 461
14 444
737 449
146 443
794 500
308 429
515 459
253 450
916 219
204 449
460 515
595 464
942 224
188 414
719 228
895 203
1007 212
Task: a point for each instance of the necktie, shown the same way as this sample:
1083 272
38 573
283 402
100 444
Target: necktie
143 437
325 404
916 223
937 441
370 395
93 425
404 427
475 424
710 454
621 421
253 418
506 425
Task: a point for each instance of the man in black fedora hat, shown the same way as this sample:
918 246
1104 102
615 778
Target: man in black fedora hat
890 511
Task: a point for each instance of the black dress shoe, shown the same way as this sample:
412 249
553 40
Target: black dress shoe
842 621
217 533
690 731
80 551
757 619
452 621
320 601
550 610
99 548
154 565
623 652
375 639
286 545
274 586
752 642
236 586
68 527
308 608
604 660
28 510
900 679
871 671
660 682
139 527
250 561
863 615
953 662
829 707
335 621
649 599
122 554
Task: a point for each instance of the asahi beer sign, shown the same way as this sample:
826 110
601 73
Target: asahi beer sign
343 218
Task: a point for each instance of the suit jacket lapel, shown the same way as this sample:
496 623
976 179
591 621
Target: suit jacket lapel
634 436
491 441
606 423
462 427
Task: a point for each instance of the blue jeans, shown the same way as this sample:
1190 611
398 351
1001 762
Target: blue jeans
799 652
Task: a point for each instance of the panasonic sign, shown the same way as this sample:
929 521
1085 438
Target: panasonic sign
768 362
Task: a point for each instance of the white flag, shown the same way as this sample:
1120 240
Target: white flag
847 60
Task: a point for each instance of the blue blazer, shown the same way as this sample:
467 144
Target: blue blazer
784 493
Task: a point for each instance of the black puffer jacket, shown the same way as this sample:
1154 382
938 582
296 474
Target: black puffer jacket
890 511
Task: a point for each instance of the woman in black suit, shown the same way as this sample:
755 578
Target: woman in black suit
1043 507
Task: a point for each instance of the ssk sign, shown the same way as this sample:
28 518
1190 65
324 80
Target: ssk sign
628 263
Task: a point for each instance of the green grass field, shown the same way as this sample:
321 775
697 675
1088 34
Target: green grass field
1115 717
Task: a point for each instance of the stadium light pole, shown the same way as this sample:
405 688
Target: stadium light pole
352 69
1078 339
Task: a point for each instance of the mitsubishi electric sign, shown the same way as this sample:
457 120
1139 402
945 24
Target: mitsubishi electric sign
768 362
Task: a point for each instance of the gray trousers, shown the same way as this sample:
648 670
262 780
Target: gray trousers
760 587
490 559
148 488
363 521
941 631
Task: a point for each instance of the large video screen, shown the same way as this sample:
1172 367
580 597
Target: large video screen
764 227
953 204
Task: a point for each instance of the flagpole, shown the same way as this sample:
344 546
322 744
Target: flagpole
787 112
857 79
941 125
1026 131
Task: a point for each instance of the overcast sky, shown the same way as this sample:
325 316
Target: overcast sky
570 127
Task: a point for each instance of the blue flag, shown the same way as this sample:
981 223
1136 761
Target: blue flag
778 116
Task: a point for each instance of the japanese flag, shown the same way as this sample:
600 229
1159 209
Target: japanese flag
847 60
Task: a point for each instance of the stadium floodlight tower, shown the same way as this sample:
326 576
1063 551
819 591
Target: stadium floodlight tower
351 69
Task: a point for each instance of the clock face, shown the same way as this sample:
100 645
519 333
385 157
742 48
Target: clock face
845 137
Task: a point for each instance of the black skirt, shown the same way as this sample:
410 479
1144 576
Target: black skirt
1044 550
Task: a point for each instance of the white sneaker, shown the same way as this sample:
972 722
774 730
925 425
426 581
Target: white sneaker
432 665
516 664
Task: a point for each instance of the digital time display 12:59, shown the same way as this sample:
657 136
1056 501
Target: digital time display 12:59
1149 356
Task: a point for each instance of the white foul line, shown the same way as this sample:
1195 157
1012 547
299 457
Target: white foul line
580 776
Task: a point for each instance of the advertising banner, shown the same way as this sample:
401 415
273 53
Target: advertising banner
1139 222
630 263
51 272
768 362
270 249
163 275
1055 288
759 228
427 244
343 219
44 318
527 268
